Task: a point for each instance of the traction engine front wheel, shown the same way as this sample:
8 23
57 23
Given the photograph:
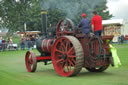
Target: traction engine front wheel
67 56
30 61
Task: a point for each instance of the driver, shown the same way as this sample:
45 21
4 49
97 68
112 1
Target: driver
84 24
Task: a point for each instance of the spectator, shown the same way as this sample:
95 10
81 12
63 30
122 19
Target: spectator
22 44
122 39
0 43
0 40
9 40
33 41
119 39
29 45
26 41
10 43
3 44
126 37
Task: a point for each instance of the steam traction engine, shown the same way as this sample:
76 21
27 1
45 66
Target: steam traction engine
70 50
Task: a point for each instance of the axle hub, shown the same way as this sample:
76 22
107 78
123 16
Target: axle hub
64 56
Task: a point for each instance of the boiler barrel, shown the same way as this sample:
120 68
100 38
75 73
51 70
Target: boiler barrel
45 45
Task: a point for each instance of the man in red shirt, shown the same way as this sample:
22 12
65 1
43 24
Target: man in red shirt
96 24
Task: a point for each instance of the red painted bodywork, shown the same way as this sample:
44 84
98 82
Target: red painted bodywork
43 58
47 47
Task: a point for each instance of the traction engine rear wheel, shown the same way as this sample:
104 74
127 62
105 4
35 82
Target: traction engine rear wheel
95 48
97 69
30 61
67 56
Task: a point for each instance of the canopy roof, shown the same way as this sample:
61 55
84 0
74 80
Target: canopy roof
29 32
113 21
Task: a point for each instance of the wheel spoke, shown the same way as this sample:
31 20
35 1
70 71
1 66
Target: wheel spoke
58 61
62 44
59 51
71 56
59 55
71 62
69 51
63 27
67 43
68 32
30 61
61 48
30 58
63 68
68 69
59 32
74 61
67 25
72 52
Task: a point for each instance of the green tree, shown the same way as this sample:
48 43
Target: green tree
18 12
14 13
54 16
102 10
90 6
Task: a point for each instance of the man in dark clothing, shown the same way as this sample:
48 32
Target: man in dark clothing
84 24
29 44
122 39
96 24
22 44
0 43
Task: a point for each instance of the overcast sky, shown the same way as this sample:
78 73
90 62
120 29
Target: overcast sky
119 8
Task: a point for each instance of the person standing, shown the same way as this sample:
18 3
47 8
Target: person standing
10 43
0 40
3 44
96 24
33 41
22 43
126 37
122 39
29 44
84 24
0 43
119 39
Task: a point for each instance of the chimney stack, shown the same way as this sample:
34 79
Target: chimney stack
44 21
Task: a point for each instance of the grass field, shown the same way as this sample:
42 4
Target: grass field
13 72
